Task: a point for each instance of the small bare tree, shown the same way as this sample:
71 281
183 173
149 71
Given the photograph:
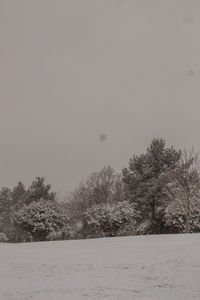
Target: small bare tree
183 188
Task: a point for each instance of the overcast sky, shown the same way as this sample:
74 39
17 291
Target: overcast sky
71 70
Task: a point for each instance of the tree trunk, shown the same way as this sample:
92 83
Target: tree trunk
153 215
188 215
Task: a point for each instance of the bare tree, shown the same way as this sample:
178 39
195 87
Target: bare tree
100 187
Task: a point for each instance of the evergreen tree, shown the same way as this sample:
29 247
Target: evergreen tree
6 226
19 196
144 184
39 190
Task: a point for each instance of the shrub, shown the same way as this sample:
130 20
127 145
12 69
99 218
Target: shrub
144 227
3 237
68 232
175 217
41 218
110 219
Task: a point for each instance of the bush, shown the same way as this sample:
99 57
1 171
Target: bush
3 237
175 218
67 233
111 219
41 219
144 227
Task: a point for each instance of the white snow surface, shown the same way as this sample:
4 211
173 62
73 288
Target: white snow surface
154 267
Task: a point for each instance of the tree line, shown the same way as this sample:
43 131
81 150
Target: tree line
158 192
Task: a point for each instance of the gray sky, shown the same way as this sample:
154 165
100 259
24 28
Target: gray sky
73 69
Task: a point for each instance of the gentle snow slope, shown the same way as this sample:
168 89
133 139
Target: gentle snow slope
146 267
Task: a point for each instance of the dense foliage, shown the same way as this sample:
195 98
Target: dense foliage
183 187
144 184
111 219
159 192
40 219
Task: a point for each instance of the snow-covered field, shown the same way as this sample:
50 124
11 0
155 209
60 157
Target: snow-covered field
146 267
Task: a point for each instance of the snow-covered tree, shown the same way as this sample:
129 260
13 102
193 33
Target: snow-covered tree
39 190
144 185
100 187
183 187
6 225
111 219
19 196
41 218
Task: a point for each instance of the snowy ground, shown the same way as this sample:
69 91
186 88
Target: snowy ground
147 267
